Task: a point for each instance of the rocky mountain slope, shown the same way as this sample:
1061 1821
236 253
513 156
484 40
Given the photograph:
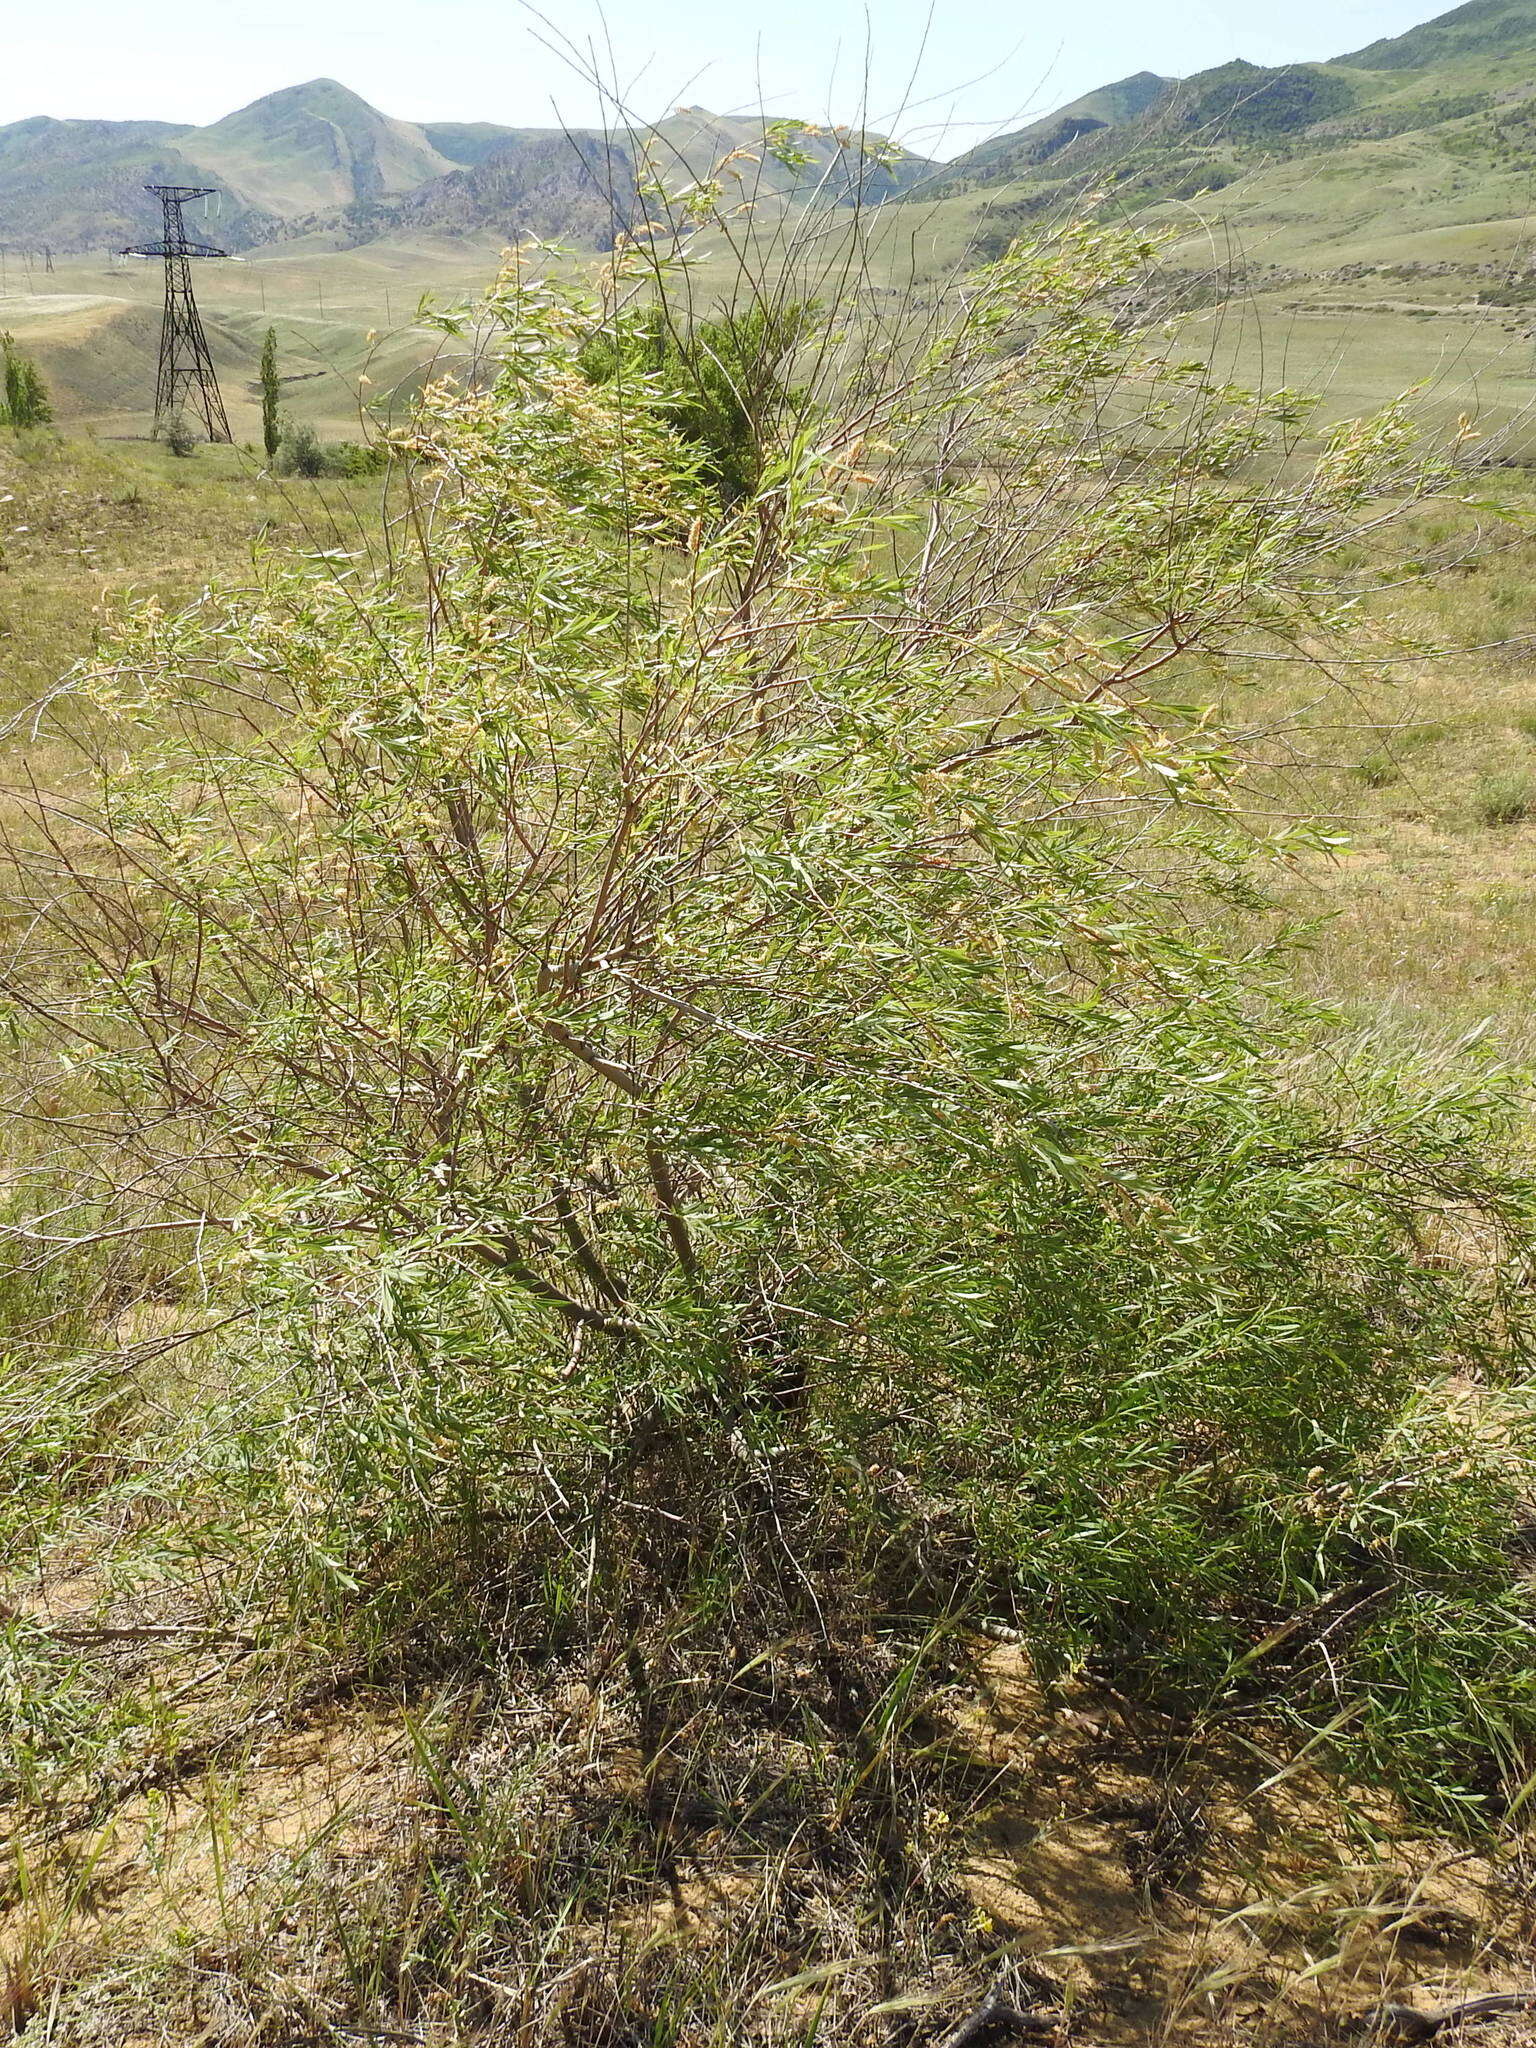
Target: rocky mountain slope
314 147
317 155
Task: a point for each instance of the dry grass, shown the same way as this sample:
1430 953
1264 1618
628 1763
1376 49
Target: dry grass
86 527
1425 766
542 1869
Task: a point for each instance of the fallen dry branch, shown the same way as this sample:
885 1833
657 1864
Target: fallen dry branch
996 2017
1407 2023
91 1638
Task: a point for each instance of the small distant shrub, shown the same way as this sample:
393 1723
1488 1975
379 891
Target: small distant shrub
303 453
1378 771
25 401
179 437
1527 725
1505 799
300 453
358 458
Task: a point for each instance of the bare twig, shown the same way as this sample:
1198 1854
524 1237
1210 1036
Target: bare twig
1407 2023
996 2014
90 1638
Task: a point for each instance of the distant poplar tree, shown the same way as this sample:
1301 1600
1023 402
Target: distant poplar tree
271 427
25 395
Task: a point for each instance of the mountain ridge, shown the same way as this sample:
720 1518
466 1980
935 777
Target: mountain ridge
315 142
1432 39
1416 149
1432 132
318 154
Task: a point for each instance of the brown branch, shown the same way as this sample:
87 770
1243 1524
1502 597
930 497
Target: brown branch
89 1638
995 2013
621 1076
1013 739
505 1252
586 1254
1406 2023
671 1213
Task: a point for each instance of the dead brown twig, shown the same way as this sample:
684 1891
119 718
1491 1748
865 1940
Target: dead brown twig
1407 2023
996 2015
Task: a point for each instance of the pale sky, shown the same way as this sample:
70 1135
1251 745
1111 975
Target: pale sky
939 77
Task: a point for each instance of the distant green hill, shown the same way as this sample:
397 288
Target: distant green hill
1488 28
581 186
1418 151
70 185
467 142
1023 149
314 147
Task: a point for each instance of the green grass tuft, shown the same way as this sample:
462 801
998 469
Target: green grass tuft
1507 799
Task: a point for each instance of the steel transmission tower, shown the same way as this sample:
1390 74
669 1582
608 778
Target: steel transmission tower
186 383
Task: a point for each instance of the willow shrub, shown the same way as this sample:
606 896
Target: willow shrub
646 1005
